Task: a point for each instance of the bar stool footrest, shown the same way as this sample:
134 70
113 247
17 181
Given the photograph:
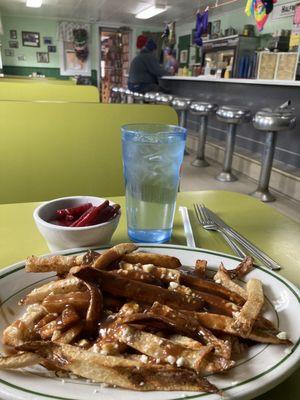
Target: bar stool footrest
226 177
200 163
263 195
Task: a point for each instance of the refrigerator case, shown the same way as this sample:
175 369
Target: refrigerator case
218 52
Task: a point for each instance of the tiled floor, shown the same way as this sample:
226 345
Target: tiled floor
203 179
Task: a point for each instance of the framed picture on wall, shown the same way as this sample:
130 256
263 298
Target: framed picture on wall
183 56
21 57
47 40
13 44
30 39
9 53
51 49
13 34
42 57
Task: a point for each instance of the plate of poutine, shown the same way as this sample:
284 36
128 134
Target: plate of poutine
157 322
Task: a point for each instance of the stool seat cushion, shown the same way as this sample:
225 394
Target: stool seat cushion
181 103
151 96
202 108
233 114
274 121
164 99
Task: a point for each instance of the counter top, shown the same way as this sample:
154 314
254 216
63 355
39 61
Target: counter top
211 78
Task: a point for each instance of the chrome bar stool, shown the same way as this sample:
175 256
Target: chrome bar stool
122 93
270 123
181 105
164 99
115 94
150 97
129 96
232 116
138 97
201 109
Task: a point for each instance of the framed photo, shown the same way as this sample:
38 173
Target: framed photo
47 40
183 56
30 39
216 27
13 34
42 57
13 44
51 49
9 53
21 57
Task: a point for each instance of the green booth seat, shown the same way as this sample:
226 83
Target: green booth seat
27 79
50 150
39 91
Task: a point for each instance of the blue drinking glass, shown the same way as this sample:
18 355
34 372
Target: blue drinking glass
152 157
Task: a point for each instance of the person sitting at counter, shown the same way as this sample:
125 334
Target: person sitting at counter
145 70
171 64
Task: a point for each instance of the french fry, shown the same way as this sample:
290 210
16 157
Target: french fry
22 329
137 321
179 322
155 259
162 274
223 277
242 269
135 275
68 336
206 286
212 302
138 291
59 264
56 303
67 285
200 268
108 343
20 360
67 318
95 308
113 254
212 363
250 311
163 349
222 323
119 371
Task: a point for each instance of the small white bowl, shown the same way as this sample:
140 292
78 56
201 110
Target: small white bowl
64 237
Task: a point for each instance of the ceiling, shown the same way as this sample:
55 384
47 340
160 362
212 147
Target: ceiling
113 11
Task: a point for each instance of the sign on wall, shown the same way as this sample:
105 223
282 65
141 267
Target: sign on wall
284 10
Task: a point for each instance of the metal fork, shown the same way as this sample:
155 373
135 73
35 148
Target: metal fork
207 223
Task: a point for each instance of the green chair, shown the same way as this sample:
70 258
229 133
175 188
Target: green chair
50 150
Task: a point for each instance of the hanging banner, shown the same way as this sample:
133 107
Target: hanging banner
284 10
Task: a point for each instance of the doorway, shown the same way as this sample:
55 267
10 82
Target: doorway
114 60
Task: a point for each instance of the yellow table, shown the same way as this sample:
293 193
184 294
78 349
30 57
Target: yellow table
274 233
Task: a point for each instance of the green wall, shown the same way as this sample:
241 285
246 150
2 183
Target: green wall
46 27
234 16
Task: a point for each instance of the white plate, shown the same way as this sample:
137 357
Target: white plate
260 369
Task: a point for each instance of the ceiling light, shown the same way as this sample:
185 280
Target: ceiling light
34 3
150 12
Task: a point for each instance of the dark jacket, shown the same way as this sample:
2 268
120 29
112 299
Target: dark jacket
145 68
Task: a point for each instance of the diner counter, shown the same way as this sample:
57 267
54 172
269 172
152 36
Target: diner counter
252 94
212 78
